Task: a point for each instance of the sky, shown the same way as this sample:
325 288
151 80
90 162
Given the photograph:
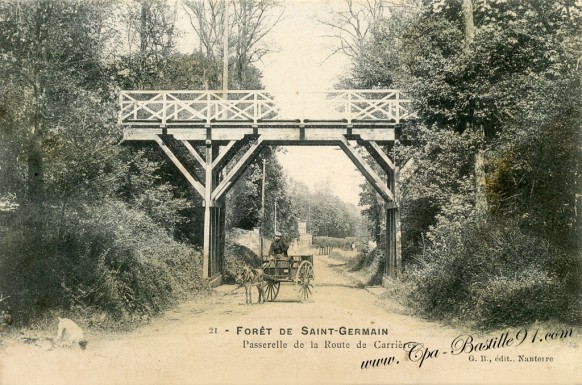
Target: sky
298 64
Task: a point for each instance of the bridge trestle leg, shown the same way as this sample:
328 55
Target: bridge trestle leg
216 238
389 192
393 251
216 187
214 221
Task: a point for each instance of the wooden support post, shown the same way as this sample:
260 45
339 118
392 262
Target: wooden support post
214 217
389 244
397 228
393 243
218 220
215 257
262 228
214 200
221 235
207 216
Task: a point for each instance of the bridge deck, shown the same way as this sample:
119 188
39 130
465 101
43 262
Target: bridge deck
289 117
276 135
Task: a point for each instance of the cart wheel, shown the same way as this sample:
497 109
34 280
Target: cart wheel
304 280
272 290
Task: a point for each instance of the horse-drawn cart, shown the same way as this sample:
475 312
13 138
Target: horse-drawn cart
297 269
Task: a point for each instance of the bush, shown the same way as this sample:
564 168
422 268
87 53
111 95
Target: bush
236 256
363 259
372 263
108 258
340 243
493 274
504 301
417 217
342 255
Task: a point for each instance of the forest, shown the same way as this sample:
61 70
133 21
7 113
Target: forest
111 231
491 200
106 229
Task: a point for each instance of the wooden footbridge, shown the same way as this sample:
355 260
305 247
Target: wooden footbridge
233 127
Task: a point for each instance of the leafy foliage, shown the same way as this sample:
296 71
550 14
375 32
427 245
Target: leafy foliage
325 214
97 225
244 202
50 58
494 275
536 179
504 95
107 257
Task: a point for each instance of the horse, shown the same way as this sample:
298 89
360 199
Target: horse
248 276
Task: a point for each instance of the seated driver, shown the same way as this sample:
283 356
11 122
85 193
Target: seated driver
278 246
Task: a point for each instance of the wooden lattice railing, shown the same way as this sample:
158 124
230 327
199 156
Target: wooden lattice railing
167 107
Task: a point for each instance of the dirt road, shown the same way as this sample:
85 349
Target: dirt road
218 340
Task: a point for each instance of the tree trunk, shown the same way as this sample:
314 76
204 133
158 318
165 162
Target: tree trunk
34 209
240 70
481 205
469 24
479 167
143 46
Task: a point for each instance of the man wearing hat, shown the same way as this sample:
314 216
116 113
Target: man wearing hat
278 246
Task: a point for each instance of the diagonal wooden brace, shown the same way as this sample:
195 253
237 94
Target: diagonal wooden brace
379 155
366 170
229 152
194 153
229 180
196 184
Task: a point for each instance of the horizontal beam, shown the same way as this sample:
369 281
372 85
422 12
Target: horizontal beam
297 133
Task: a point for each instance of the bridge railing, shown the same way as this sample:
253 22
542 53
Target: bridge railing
254 106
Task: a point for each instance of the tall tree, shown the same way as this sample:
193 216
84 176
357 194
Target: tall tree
325 213
250 21
352 25
468 23
150 28
207 20
253 20
50 54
